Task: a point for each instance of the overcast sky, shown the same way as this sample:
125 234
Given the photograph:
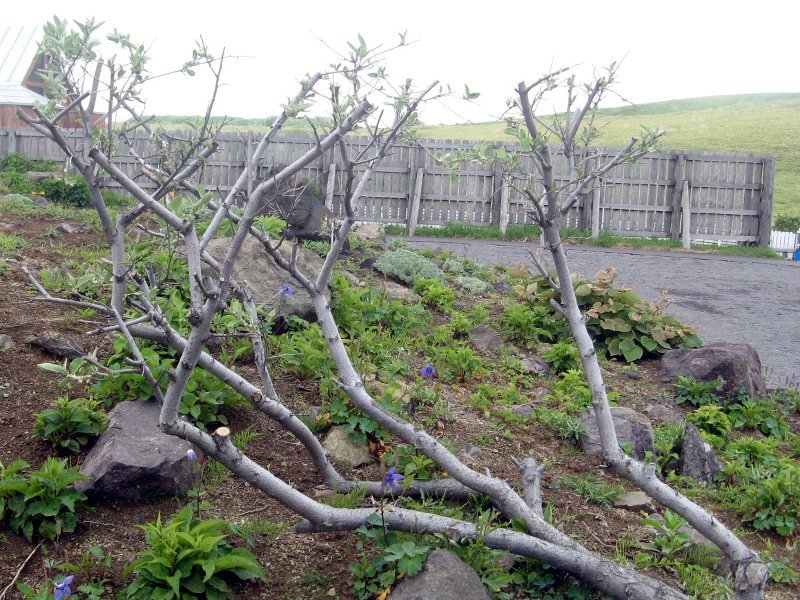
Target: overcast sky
674 49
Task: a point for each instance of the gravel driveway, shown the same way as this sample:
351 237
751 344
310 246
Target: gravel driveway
727 298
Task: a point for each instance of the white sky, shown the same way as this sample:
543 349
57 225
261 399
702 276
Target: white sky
675 49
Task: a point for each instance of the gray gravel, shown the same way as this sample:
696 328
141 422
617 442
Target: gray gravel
727 298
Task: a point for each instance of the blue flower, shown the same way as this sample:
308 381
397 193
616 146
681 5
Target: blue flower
391 479
427 372
286 290
62 588
191 455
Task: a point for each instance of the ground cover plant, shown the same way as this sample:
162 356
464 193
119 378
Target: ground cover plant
342 359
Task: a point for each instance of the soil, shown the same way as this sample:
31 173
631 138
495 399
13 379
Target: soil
297 565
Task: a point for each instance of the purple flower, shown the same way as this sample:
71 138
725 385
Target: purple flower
286 290
62 588
427 372
191 455
391 479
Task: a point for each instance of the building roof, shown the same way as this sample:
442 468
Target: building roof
19 95
18 48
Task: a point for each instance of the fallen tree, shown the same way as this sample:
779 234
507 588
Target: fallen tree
359 97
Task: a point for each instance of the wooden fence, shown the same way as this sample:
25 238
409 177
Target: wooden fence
723 197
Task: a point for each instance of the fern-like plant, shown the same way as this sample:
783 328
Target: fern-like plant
189 558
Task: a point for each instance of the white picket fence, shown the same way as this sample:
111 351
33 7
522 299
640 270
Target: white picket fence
785 242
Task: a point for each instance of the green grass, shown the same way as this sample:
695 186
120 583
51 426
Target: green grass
757 123
9 244
575 236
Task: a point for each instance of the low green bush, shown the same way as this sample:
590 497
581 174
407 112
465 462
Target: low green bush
189 558
473 285
773 502
70 424
787 223
435 293
19 163
72 191
698 393
407 266
44 503
713 423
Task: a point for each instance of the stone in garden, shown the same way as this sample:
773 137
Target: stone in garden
39 176
372 233
134 460
737 365
484 337
698 458
662 414
343 451
632 428
470 452
444 576
61 348
535 365
523 410
503 288
6 343
634 501
66 228
396 291
265 278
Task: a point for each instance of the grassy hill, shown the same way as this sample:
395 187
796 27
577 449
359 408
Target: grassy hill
760 123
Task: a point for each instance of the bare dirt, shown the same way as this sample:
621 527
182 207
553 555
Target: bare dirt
297 566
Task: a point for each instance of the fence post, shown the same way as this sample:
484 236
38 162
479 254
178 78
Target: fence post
504 208
12 140
686 216
330 186
596 210
497 194
677 190
413 215
765 207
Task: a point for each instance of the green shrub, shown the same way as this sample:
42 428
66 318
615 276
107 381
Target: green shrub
70 424
407 266
698 393
189 558
471 284
16 182
563 356
763 415
773 502
457 361
619 321
71 191
592 488
45 502
18 163
787 223
400 555
9 244
434 293
528 325
564 425
713 423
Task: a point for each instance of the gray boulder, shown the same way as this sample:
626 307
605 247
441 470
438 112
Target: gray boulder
344 452
443 577
485 338
698 458
632 428
374 234
134 460
265 278
737 365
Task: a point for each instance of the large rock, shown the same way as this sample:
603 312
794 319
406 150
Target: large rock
632 428
484 337
344 452
698 458
265 278
134 460
737 365
373 234
443 577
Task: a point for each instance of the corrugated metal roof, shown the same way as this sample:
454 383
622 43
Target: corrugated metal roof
18 46
13 93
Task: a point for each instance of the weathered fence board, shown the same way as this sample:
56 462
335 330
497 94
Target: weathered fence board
729 195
